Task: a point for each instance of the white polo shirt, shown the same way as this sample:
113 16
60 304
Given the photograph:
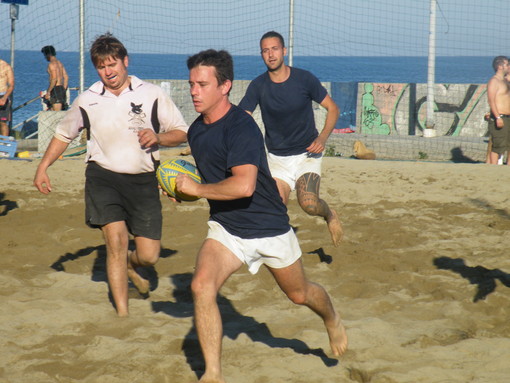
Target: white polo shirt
113 122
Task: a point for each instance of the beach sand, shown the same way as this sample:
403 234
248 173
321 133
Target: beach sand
422 281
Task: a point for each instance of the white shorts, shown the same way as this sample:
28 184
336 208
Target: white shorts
276 252
290 168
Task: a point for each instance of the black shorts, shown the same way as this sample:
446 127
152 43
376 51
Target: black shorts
5 112
58 95
133 198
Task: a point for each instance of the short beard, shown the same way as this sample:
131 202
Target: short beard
275 69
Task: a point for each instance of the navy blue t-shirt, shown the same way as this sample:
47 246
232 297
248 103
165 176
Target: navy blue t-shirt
286 109
236 140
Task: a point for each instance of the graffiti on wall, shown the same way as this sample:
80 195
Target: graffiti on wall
400 109
373 112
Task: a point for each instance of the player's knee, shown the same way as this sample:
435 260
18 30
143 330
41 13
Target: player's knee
201 288
151 259
297 297
146 257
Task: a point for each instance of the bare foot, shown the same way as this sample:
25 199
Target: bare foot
141 284
122 310
210 379
337 337
335 228
122 313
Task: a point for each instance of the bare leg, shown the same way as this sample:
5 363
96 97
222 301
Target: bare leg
307 189
283 189
489 150
494 158
4 129
141 284
116 238
146 254
56 107
215 263
293 282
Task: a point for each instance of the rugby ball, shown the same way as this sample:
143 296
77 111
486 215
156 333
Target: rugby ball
167 172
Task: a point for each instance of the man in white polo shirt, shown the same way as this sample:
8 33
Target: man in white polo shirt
126 119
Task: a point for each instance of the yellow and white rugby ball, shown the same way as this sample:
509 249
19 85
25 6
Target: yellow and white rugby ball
167 172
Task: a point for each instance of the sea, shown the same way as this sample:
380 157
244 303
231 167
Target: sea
31 76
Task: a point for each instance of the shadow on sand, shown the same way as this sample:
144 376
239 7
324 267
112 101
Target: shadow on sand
6 205
234 324
484 278
99 268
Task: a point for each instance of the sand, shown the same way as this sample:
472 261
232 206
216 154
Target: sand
422 281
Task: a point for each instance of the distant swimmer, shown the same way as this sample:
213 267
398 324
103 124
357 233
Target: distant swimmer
58 80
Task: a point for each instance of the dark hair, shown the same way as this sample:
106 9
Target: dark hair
270 34
106 46
221 60
498 61
48 50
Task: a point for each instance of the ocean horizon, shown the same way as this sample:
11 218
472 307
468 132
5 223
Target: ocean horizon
31 76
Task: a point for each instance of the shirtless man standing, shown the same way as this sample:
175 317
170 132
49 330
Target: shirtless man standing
56 92
498 93
6 88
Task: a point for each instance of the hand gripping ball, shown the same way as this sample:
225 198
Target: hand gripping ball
169 169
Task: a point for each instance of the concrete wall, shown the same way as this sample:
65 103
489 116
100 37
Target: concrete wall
47 122
383 109
178 90
388 118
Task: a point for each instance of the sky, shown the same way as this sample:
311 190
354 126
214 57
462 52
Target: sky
321 27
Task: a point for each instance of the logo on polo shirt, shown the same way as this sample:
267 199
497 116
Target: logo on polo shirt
136 117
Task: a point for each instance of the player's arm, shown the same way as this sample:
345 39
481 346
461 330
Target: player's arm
319 144
65 76
173 127
148 138
250 99
10 80
172 138
240 185
492 92
53 152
